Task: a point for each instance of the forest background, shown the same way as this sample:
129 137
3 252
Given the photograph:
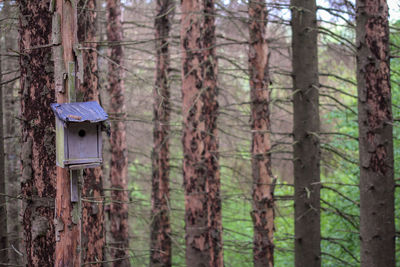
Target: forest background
338 113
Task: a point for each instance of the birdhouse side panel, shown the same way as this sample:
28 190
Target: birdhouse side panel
61 143
83 143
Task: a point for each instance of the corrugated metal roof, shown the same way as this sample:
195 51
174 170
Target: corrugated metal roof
79 112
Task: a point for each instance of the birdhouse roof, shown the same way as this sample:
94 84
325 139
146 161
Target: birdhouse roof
79 112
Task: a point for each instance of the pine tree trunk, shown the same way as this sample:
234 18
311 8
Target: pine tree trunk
119 160
93 230
3 200
377 228
38 179
306 148
263 200
67 218
200 136
160 246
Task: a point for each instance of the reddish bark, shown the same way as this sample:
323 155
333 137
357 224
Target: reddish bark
119 161
306 127
160 246
38 180
377 223
200 136
93 230
263 201
67 217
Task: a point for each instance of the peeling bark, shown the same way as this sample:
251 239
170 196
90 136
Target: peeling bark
67 218
93 230
119 160
306 127
377 228
160 246
38 179
200 136
263 200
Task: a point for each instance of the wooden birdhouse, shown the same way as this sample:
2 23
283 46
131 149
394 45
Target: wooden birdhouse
78 134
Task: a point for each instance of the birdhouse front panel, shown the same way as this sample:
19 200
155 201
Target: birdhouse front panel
78 134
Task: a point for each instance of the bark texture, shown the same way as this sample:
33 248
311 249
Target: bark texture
200 136
38 179
160 246
377 228
119 160
67 218
263 200
3 200
306 126
93 230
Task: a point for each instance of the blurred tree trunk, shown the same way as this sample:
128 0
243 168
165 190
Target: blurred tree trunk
38 180
377 228
11 144
263 200
3 200
160 248
200 135
306 148
93 229
119 159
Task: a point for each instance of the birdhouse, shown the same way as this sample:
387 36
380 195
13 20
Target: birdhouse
78 134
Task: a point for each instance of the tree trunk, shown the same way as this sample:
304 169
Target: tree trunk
377 228
93 230
3 200
119 160
160 246
38 180
200 136
263 200
306 148
67 218
11 143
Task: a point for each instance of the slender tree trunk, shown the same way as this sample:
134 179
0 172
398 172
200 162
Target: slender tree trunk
200 136
93 230
377 228
11 144
160 246
263 200
119 159
3 200
38 179
67 218
306 146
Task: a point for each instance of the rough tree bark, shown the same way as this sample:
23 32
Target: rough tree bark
3 200
38 179
306 148
263 200
93 230
200 136
160 246
67 218
119 160
377 228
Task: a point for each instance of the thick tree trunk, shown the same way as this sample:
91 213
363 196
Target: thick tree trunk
263 200
119 159
3 200
93 230
67 218
377 228
38 180
306 146
160 239
200 136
